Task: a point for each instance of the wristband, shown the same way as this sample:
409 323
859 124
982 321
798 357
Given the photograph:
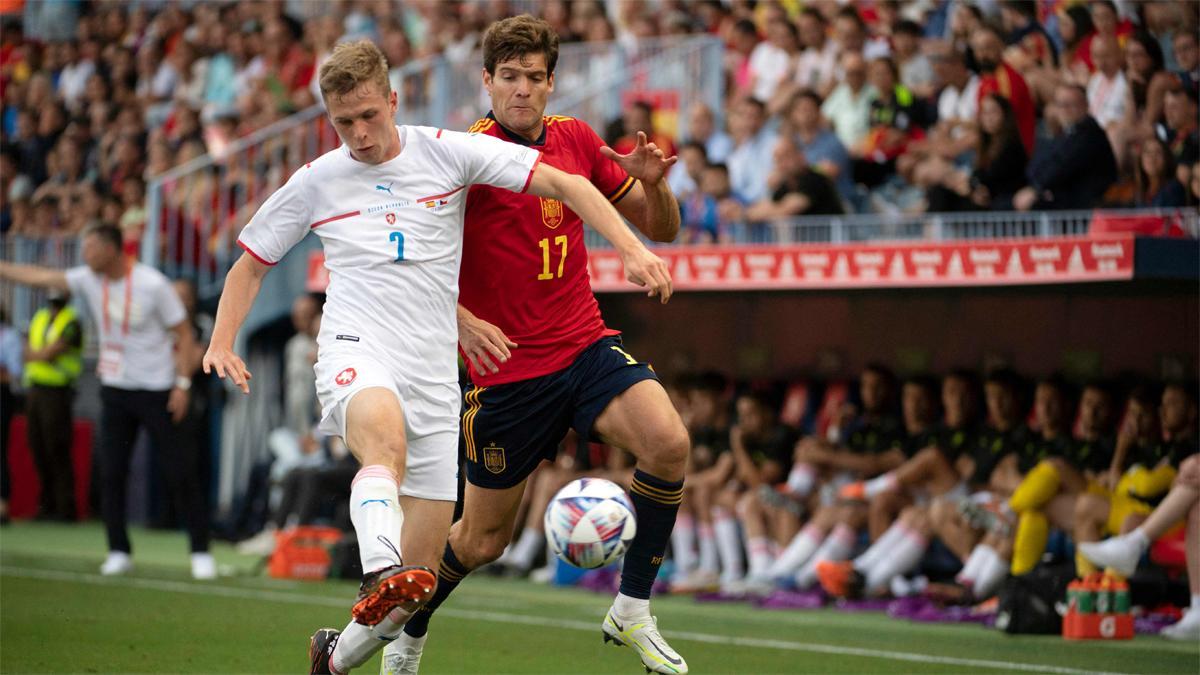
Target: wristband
184 383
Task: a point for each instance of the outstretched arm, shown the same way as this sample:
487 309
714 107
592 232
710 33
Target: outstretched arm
241 287
641 266
34 275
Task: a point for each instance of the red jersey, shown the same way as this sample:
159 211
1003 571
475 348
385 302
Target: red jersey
1007 82
524 265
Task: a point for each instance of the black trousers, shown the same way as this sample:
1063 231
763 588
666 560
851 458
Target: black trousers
48 432
122 413
8 407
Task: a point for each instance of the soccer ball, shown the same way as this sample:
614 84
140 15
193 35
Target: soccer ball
590 523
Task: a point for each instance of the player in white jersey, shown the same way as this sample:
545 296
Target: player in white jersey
388 206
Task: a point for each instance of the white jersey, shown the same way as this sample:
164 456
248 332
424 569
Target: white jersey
392 234
135 318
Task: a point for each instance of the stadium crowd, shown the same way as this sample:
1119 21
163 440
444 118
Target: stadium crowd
867 107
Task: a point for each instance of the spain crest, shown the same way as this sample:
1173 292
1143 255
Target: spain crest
493 459
552 212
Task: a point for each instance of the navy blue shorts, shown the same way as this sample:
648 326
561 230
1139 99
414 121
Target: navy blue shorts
509 428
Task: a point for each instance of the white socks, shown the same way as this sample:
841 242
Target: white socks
358 643
729 545
760 556
798 551
970 569
631 608
710 561
880 548
802 479
526 549
375 512
880 484
683 545
837 546
990 570
904 555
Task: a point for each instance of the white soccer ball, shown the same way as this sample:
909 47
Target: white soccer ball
590 523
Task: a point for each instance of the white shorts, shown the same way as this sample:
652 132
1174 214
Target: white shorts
430 417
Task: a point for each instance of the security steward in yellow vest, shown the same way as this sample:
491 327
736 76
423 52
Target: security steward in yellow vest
53 362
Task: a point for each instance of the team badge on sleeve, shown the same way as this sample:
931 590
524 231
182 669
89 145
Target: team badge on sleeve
345 377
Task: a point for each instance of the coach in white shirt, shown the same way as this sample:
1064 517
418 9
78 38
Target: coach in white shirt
144 381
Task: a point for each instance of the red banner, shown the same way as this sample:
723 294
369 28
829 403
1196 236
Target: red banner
898 264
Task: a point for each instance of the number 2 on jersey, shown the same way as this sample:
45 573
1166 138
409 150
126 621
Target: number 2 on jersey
398 237
561 240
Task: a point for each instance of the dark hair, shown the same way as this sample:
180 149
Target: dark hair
1190 389
849 12
1082 19
1005 377
1026 8
926 382
813 13
1143 181
805 94
992 145
1145 395
516 37
720 166
110 234
882 371
908 27
695 145
745 26
710 381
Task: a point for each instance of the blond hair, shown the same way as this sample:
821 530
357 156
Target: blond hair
352 64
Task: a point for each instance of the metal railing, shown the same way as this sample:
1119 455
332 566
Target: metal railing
875 227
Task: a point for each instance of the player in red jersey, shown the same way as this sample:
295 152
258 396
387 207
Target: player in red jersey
540 357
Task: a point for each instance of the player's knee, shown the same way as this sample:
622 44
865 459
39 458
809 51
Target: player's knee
1087 508
667 449
487 547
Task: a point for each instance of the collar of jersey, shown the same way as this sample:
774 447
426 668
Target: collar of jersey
517 138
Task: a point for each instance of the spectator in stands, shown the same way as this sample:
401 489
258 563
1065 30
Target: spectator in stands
748 168
1186 48
816 68
702 128
684 178
1073 170
916 71
639 116
820 145
1180 128
965 19
1034 48
848 106
796 189
1148 79
850 31
1075 28
894 119
999 168
997 76
708 214
1157 186
771 61
743 38
1109 96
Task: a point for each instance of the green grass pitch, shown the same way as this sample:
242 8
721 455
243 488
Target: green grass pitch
57 615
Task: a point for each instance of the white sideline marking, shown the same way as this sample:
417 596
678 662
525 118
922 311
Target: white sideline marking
499 617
